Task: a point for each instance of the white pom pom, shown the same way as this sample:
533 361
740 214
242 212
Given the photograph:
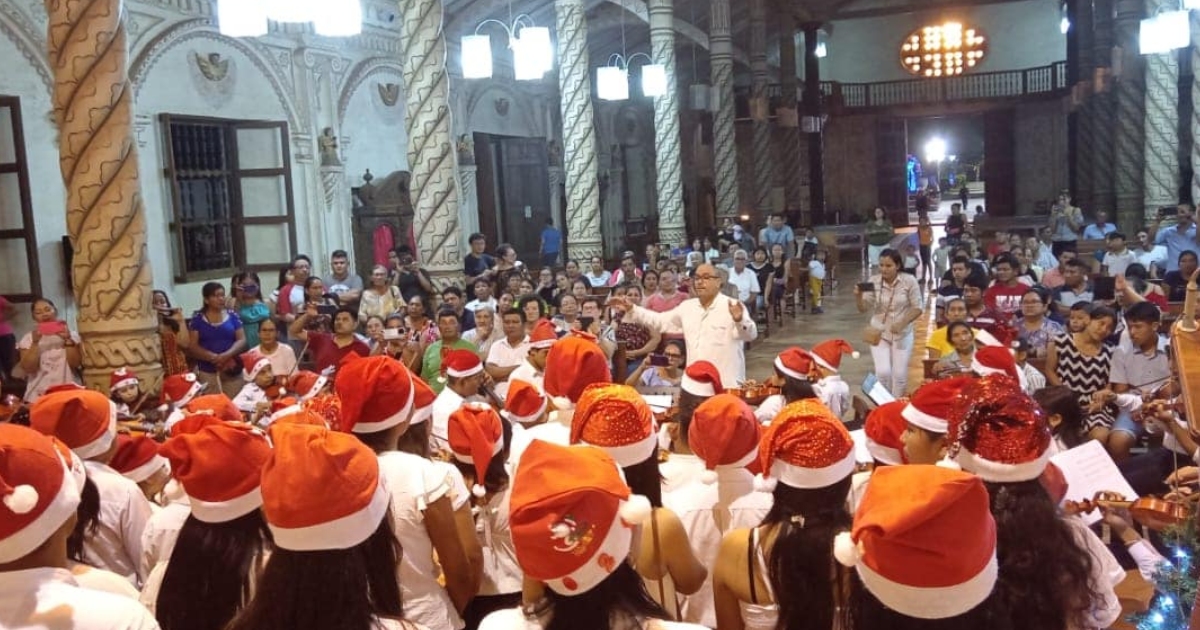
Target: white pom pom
562 403
764 484
856 354
478 490
709 477
946 462
635 510
22 500
845 550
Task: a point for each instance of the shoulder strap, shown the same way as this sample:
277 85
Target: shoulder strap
750 545
657 557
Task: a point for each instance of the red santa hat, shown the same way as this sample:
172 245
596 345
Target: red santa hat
828 354
122 378
617 419
544 334
573 363
884 427
220 467
296 414
923 541
806 447
459 363
932 403
85 420
253 362
724 434
795 363
376 394
306 384
216 405
994 360
423 397
305 509
37 491
571 516
999 433
525 403
476 435
137 458
180 388
701 379
192 423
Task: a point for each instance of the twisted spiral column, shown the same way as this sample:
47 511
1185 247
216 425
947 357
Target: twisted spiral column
579 132
431 153
764 166
1195 122
672 228
724 143
1083 134
1161 172
1131 113
106 222
1103 112
789 119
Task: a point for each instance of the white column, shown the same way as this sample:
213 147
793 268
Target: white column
1161 174
579 132
724 143
672 228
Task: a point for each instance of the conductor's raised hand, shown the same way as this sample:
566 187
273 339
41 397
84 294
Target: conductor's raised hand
620 303
736 310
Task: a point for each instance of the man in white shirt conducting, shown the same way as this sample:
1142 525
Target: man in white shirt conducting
715 327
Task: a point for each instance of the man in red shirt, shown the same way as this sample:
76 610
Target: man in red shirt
1005 293
328 349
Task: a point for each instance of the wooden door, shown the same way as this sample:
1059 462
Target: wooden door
891 153
999 150
524 194
486 177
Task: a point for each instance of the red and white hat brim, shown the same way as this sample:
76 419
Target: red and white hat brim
395 419
823 363
885 454
101 444
26 540
316 388
146 470
472 371
257 369
811 478
286 411
697 388
512 417
998 472
125 382
924 420
543 343
616 544
192 392
342 533
631 454
786 371
740 463
931 602
225 511
421 414
469 458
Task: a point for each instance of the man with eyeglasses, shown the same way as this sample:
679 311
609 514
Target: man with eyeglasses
715 327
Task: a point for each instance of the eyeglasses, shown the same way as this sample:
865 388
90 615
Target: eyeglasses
707 278
673 356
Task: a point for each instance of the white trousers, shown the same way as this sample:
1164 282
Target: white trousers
891 362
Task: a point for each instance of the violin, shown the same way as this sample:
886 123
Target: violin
1151 512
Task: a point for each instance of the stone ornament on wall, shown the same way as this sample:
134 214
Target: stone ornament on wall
389 93
214 77
501 105
466 150
212 66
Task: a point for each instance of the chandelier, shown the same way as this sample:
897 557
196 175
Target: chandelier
533 54
612 81
330 18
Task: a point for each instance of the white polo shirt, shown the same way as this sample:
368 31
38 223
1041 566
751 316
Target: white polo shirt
503 354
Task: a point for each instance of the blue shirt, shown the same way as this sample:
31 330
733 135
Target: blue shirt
551 241
1095 232
216 338
1176 243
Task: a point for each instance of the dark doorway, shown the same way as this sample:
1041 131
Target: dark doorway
514 191
948 152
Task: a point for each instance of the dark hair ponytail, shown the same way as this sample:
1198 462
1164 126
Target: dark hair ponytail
88 519
621 595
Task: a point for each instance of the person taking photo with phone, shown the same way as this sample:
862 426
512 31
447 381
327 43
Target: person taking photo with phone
50 353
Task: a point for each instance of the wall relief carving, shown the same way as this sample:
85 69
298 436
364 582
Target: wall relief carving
389 93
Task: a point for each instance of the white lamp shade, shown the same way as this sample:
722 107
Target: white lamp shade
1174 29
612 83
477 57
340 18
821 50
241 18
527 62
1191 4
536 46
654 79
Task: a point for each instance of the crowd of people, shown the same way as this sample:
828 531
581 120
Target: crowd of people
341 454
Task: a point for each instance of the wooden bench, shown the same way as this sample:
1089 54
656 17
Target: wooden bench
987 226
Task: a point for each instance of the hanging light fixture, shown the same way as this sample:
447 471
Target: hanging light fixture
533 53
1164 32
612 81
241 19
654 80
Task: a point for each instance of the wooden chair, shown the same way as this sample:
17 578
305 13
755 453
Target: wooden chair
862 408
620 363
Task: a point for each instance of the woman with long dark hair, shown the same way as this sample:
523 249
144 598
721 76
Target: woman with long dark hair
224 543
334 564
217 338
573 523
1054 572
894 301
781 574
700 382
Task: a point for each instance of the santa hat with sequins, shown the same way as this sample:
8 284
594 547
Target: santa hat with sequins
525 403
999 433
476 435
931 405
423 397
220 467
573 363
376 394
617 419
806 447
37 491
571 516
702 378
122 378
137 458
306 384
303 509
544 334
828 354
923 541
253 363
724 434
883 429
795 363
85 420
179 389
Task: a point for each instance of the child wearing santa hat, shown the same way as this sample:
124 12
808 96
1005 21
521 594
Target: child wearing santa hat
464 376
177 391
126 392
533 369
1002 436
830 387
795 371
724 435
780 571
39 496
138 460
883 432
700 382
254 400
927 417
573 520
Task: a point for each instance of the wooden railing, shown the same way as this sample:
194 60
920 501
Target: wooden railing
1048 80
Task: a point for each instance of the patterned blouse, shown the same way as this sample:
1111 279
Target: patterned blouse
1039 340
1085 375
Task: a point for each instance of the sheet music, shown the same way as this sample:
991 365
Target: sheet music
659 403
1089 469
861 454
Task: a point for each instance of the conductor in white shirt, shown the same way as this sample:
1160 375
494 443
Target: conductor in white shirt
715 327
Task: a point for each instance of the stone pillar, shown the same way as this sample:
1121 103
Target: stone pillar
431 148
814 130
672 228
106 221
1103 110
470 197
1131 113
1081 25
1195 122
556 209
724 143
789 119
764 165
579 132
1161 173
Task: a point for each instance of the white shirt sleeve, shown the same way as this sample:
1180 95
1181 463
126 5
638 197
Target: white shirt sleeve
1147 558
